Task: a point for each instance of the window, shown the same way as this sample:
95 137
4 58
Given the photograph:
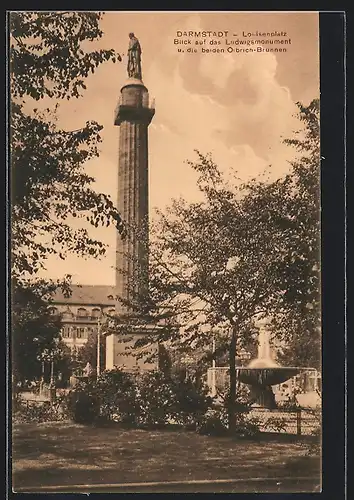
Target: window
110 297
53 311
81 312
96 313
112 312
80 334
65 333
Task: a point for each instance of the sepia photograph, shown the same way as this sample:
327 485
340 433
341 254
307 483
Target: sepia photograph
165 252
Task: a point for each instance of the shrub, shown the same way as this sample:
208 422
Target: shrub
246 427
156 399
111 397
276 424
191 402
118 396
83 403
163 399
213 423
38 412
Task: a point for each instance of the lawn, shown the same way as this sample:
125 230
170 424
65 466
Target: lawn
63 453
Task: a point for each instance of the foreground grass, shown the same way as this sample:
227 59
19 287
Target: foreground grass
63 453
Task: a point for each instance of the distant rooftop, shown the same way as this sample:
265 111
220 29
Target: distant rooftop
87 294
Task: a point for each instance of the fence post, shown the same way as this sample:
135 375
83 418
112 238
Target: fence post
298 421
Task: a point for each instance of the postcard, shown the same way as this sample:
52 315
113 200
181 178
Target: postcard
165 251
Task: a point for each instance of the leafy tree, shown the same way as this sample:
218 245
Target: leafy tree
57 361
245 252
88 352
206 270
49 60
34 328
164 361
64 365
292 218
207 246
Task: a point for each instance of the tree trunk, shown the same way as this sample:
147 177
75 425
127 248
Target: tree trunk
233 381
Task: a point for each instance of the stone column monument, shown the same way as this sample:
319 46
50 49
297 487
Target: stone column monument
133 116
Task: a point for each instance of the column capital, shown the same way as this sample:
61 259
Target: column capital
133 114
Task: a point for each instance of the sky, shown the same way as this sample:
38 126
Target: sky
237 106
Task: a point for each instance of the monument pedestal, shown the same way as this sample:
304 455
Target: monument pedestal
120 350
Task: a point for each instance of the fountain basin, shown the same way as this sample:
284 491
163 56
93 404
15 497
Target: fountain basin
266 376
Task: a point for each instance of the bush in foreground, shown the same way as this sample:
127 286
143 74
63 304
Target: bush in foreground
148 400
38 412
117 395
156 399
82 403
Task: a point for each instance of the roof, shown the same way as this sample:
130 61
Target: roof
87 294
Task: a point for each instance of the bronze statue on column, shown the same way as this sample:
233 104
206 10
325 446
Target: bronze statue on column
134 58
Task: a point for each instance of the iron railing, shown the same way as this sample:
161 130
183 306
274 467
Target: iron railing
299 421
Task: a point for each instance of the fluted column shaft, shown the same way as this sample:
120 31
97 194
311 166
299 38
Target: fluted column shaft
132 252
133 117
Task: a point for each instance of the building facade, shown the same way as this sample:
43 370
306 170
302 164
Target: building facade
83 311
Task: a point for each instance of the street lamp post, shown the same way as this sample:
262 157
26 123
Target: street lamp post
213 374
48 355
37 340
98 347
52 373
41 384
54 355
52 390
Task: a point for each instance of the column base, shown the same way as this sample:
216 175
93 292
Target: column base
120 351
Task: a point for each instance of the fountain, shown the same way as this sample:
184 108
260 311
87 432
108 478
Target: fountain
260 374
263 372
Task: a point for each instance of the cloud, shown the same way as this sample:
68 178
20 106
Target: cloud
229 98
240 133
